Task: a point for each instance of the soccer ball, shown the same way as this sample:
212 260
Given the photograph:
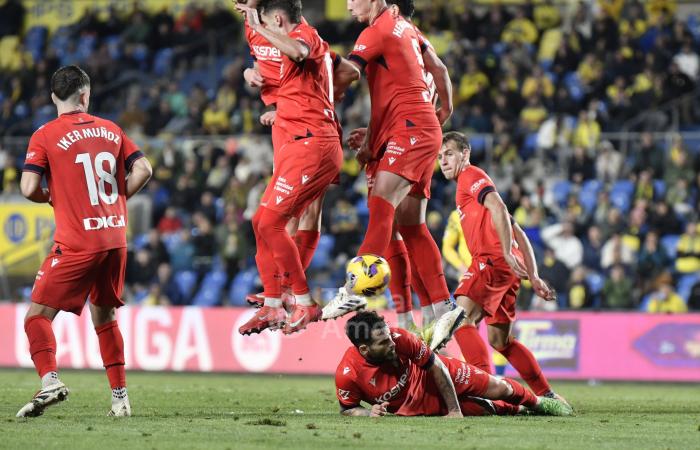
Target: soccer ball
367 275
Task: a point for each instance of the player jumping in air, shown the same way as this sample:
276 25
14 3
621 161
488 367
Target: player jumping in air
307 159
85 160
265 74
397 373
501 257
404 139
407 273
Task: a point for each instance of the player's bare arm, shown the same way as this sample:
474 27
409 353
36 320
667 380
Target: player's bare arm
377 410
252 76
292 48
141 172
30 186
443 84
446 387
501 221
539 286
344 74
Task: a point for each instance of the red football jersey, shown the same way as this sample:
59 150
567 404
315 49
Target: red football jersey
269 60
407 386
305 96
85 160
482 239
389 51
429 80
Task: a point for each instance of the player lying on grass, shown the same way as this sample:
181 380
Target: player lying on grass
395 372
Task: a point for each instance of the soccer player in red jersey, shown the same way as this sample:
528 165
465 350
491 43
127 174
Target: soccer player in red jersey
407 273
85 160
307 161
501 257
266 75
397 373
404 138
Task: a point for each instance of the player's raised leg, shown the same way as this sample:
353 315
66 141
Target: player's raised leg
42 347
400 283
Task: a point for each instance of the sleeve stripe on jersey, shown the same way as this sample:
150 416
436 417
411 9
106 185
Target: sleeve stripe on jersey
430 362
131 159
358 60
482 195
34 168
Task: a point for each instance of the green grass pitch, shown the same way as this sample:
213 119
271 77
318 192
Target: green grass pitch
245 411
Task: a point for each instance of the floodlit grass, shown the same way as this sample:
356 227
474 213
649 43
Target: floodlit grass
282 412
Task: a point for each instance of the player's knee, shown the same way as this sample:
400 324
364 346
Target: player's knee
503 389
498 342
271 222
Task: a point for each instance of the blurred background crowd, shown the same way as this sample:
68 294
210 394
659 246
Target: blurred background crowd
585 113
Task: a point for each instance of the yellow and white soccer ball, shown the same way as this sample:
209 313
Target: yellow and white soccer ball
367 275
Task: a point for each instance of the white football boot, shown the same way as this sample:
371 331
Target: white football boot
343 303
445 326
120 408
50 395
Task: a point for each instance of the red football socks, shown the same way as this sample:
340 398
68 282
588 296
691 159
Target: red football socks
522 359
306 242
272 229
505 409
417 284
112 351
42 343
381 219
520 395
428 260
400 283
473 347
265 261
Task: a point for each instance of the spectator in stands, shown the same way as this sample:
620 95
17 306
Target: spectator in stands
141 269
694 298
608 162
156 247
617 250
581 166
228 243
663 219
579 293
688 256
205 246
653 259
688 61
12 14
215 120
182 255
567 247
617 290
644 187
554 271
587 132
665 299
678 195
593 248
345 225
155 296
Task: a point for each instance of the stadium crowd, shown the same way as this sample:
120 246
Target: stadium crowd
612 229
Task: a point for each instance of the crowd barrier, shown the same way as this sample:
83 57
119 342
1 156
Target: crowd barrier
568 345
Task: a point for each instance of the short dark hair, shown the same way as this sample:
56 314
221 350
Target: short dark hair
359 328
406 7
290 7
68 80
458 138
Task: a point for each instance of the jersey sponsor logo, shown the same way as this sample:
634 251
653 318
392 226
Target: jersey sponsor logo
342 393
99 223
304 179
346 370
475 187
359 48
396 389
422 352
400 27
96 132
463 374
393 148
30 155
54 261
373 381
282 186
265 52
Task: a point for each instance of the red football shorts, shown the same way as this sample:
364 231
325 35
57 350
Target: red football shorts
411 154
306 167
65 279
468 379
494 287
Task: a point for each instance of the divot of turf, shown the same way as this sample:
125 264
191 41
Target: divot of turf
268 422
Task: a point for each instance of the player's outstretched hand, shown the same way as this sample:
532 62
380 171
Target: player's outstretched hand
268 119
453 415
253 78
251 14
379 410
356 138
443 115
543 290
518 267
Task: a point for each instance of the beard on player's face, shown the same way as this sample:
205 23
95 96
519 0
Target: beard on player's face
382 348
